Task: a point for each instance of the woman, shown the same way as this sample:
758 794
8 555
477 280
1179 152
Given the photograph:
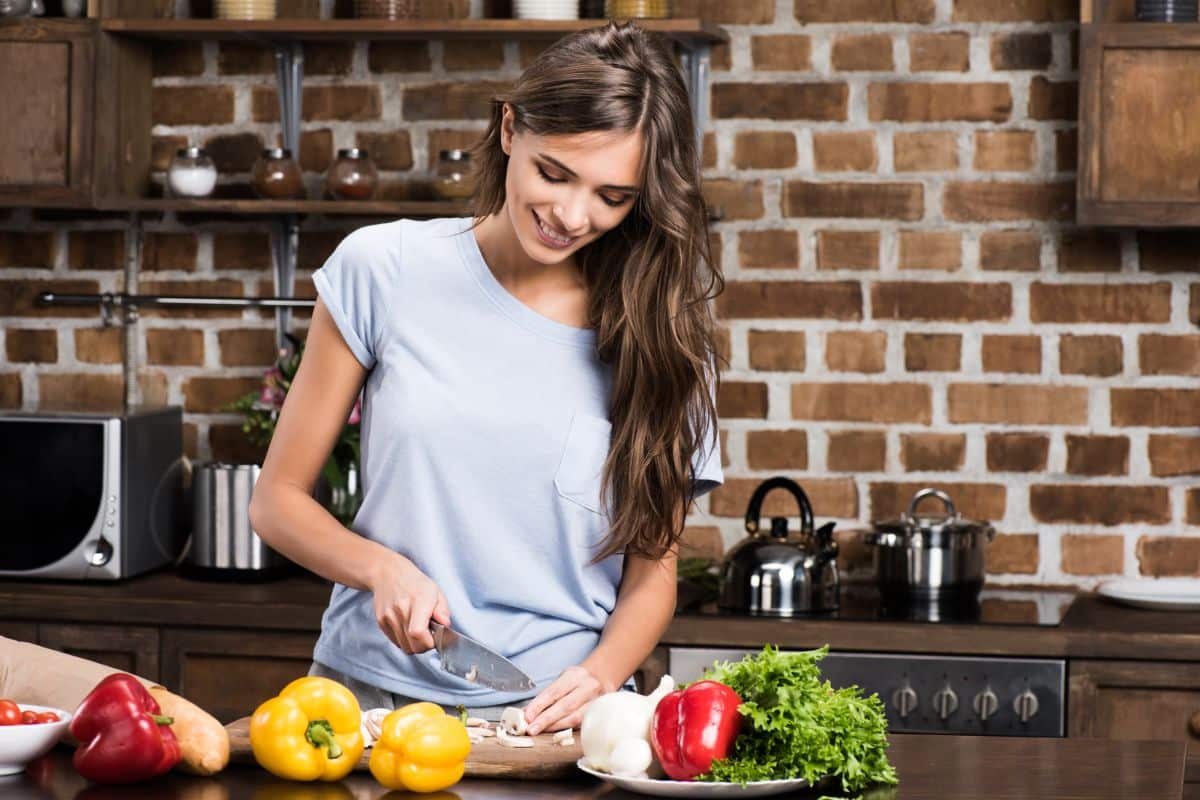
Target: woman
538 404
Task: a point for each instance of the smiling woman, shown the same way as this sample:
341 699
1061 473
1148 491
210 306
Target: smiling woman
537 410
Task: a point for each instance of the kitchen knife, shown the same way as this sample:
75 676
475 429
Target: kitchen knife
472 661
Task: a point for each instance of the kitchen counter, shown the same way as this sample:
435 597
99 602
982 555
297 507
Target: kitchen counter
1093 628
962 768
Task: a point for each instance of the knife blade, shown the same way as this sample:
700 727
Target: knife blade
468 659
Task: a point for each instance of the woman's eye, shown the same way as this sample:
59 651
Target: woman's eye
547 177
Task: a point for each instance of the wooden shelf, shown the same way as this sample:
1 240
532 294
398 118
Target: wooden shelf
367 208
685 31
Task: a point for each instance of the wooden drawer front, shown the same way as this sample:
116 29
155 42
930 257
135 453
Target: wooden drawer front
46 73
228 673
1133 700
22 631
1139 125
1150 134
132 650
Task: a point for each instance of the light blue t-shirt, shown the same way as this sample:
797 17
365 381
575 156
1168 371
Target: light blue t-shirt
484 432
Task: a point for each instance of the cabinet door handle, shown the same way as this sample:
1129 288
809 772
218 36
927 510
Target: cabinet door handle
1194 724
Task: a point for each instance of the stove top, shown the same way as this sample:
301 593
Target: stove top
998 606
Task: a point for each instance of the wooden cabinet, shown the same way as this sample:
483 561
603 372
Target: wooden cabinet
228 673
129 649
1139 125
1133 700
77 113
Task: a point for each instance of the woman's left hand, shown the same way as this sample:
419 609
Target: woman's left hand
560 705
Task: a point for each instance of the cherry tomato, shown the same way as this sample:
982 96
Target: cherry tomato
10 713
47 716
29 717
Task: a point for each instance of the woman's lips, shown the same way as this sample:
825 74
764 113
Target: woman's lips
550 237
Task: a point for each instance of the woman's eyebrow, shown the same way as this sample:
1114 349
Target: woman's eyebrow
571 172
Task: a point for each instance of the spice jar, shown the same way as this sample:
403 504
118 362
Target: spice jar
454 180
352 176
191 173
276 175
638 9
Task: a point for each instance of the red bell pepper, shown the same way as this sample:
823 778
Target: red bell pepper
693 727
123 736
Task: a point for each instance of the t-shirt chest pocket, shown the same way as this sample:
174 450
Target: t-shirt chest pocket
582 464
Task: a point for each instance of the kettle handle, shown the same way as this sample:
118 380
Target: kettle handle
754 510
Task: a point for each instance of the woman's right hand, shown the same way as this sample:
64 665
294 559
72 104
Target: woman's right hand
405 601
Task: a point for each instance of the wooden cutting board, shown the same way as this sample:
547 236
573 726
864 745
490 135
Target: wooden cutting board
489 759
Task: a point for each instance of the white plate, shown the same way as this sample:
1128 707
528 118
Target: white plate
1169 594
664 788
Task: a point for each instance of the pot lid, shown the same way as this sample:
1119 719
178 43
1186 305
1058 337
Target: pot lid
948 523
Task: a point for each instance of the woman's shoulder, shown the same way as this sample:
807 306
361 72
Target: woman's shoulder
387 242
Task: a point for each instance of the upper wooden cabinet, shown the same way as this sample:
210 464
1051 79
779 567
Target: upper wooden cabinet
76 109
1139 125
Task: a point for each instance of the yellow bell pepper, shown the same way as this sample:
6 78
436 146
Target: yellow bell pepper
421 748
309 732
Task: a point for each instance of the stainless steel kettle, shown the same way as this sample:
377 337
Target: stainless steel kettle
780 574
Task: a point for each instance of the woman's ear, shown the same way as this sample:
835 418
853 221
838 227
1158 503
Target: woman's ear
506 129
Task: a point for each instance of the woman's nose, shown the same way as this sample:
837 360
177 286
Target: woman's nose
571 215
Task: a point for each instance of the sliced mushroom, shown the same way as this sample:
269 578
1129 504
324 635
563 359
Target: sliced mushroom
567 742
507 740
513 721
569 733
477 722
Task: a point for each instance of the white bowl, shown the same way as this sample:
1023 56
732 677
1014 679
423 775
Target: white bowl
20 744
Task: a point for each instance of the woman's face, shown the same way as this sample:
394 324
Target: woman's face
566 191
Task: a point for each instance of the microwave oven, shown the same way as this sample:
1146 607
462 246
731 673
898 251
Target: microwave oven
91 496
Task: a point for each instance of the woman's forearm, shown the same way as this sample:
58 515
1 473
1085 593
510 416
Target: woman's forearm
641 616
289 520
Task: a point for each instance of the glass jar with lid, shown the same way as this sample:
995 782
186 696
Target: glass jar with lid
191 173
638 9
276 175
352 176
454 179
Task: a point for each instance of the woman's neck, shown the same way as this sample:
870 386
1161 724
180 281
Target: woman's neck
512 266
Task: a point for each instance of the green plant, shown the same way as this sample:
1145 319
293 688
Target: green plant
262 414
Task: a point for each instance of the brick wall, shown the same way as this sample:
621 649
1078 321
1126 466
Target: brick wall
909 302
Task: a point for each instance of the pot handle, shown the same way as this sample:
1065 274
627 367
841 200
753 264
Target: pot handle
929 492
754 510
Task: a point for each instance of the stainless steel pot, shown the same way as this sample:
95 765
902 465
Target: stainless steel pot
780 574
930 556
223 542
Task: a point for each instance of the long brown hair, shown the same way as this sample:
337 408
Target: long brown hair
649 279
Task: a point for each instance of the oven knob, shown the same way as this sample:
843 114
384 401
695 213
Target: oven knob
101 553
985 704
1026 705
945 702
905 700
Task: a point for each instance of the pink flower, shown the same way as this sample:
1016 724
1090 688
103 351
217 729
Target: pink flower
356 412
271 396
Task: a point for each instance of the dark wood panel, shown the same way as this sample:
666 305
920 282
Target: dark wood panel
33 141
1150 139
51 71
341 29
930 768
129 649
22 631
1133 700
229 673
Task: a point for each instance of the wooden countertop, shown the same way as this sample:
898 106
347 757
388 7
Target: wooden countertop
958 767
1093 628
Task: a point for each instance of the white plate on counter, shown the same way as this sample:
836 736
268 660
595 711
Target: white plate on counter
1166 594
667 788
